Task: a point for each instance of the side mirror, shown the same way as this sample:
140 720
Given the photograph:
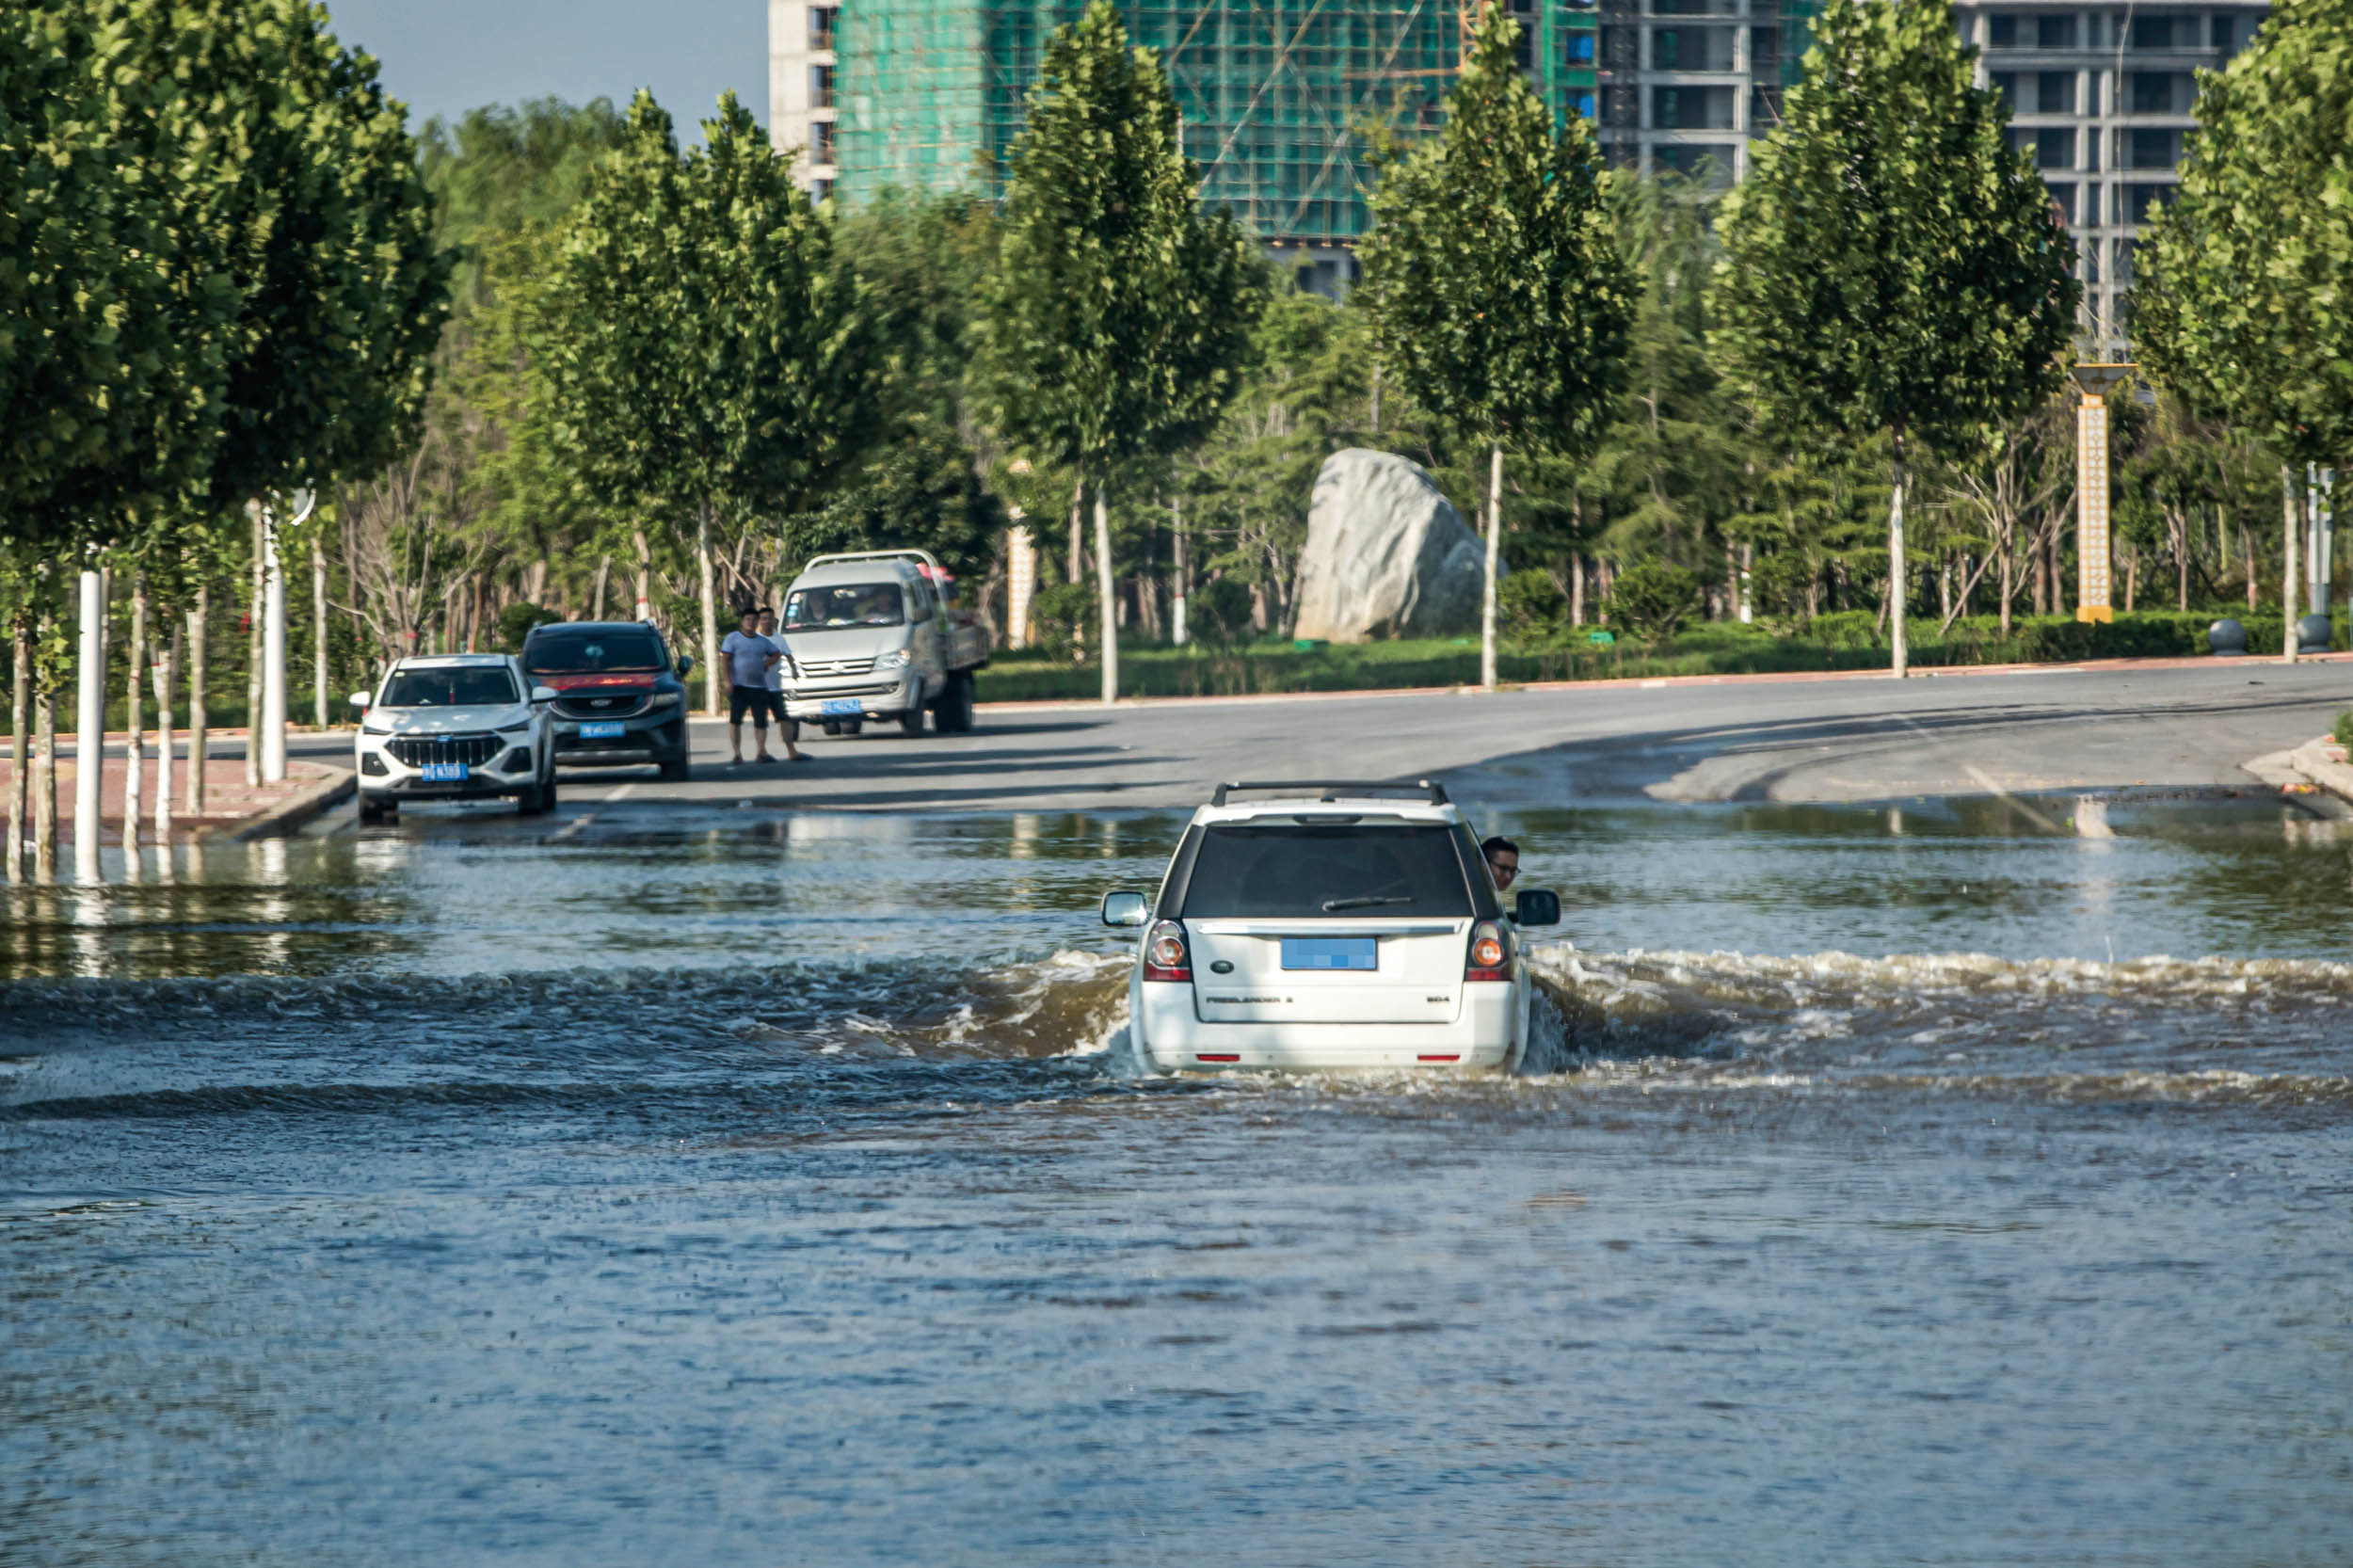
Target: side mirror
1536 907
1126 909
685 665
360 700
543 694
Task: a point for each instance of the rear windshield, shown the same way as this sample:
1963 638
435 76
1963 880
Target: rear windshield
845 604
575 653
456 687
1286 870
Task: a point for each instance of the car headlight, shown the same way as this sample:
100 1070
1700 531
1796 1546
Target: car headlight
514 728
662 699
372 729
894 660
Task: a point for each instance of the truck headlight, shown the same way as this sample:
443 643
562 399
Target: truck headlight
894 660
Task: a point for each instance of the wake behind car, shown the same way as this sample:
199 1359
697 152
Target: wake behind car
453 726
620 697
1334 925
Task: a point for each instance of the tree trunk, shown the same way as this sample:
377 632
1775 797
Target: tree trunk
20 759
1078 513
604 571
2294 563
253 653
1495 551
197 716
1895 579
267 734
1182 572
1945 591
167 673
2131 579
1576 589
45 780
2247 550
1104 594
135 741
89 729
1376 397
319 704
645 576
709 588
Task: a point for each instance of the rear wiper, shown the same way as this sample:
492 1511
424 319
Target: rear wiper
1333 905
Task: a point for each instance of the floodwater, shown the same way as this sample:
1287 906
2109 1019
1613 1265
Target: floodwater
1943 1183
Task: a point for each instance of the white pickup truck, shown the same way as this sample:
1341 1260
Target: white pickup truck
875 634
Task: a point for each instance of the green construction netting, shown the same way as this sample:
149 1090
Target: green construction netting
1279 97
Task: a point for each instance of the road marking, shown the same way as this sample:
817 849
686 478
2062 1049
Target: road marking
572 828
620 792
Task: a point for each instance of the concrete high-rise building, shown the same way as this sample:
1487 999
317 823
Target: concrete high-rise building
801 64
2101 96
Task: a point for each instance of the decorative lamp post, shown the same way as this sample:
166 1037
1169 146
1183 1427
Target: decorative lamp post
2091 489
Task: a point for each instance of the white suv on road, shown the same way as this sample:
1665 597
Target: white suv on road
1334 925
455 726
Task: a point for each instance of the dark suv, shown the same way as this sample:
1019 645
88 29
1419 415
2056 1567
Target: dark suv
620 697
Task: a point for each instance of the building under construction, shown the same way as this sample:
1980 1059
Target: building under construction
1280 98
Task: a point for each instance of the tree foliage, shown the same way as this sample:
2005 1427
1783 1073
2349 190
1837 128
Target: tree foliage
1501 299
1117 316
2245 298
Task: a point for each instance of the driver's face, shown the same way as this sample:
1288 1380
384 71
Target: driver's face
1503 865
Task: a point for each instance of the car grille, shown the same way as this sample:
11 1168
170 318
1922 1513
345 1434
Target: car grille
820 669
415 751
847 691
604 705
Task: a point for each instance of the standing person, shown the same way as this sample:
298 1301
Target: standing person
749 657
787 727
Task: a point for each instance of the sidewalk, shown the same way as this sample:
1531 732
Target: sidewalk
233 809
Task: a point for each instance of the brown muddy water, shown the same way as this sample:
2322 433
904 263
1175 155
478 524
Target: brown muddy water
1922 1184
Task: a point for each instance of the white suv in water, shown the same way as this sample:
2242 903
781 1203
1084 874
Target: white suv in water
1332 926
453 726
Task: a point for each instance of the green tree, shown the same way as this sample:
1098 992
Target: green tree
1117 318
1890 266
2244 300
1501 299
1651 600
705 353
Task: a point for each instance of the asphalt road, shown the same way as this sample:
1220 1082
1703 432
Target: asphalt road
2059 729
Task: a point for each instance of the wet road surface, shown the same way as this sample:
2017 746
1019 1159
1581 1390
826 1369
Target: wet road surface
1926 1183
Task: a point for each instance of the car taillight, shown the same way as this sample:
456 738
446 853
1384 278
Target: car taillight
1165 954
1490 951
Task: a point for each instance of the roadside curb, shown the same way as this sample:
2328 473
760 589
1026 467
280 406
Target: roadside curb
2312 760
1647 682
287 814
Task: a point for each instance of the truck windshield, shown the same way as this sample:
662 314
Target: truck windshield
1284 870
591 653
457 686
845 605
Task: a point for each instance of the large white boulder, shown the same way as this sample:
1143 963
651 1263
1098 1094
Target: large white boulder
1387 555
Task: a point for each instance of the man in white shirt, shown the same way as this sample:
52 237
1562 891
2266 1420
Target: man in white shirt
749 657
787 726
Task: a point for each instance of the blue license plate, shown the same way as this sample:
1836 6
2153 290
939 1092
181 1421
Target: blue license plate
598 731
843 708
1331 953
445 773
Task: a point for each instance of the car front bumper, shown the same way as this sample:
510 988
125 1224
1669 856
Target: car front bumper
875 696
649 738
385 776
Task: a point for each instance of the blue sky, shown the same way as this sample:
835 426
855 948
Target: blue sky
445 56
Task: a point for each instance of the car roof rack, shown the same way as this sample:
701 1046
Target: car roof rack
843 557
1333 788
